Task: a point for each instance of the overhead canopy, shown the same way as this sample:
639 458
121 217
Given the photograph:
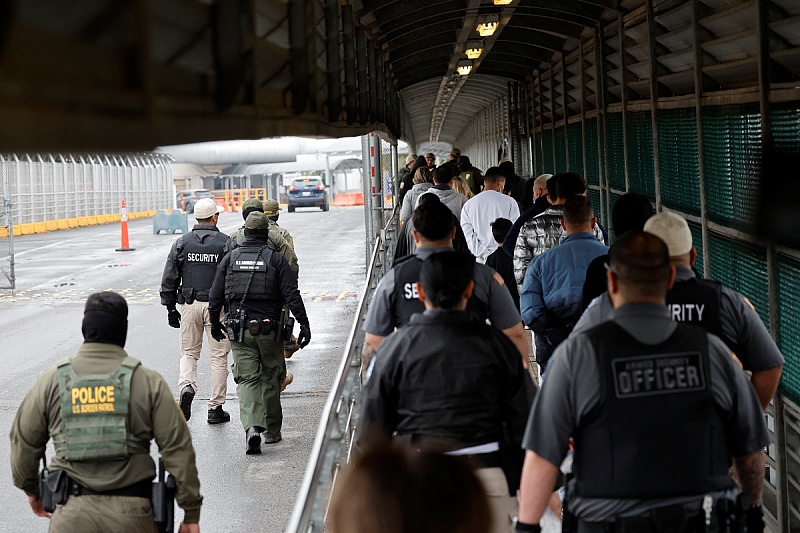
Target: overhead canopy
107 75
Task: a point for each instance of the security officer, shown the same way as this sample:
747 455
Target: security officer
187 279
271 208
276 239
253 282
103 391
656 409
396 297
447 382
718 309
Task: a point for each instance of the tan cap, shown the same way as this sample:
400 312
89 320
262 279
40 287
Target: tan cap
455 152
271 207
673 230
206 208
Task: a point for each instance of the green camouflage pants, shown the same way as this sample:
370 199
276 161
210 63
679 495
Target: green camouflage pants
258 369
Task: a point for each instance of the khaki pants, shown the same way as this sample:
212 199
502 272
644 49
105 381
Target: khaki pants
99 514
504 507
194 322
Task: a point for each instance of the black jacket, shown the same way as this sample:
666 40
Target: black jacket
260 308
447 376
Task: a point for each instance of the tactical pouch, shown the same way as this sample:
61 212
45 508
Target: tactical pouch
288 327
266 326
188 294
181 300
254 327
53 489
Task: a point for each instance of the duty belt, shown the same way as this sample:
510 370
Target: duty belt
693 522
141 489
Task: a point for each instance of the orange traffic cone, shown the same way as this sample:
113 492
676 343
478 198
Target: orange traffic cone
125 245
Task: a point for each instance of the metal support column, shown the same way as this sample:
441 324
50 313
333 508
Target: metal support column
376 189
602 126
651 35
624 91
564 109
698 109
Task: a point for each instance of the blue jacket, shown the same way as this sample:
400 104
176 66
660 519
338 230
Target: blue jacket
554 279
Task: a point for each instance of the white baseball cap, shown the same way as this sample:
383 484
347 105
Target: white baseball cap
673 230
206 208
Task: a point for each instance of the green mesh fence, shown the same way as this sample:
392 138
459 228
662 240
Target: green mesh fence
789 317
785 129
743 268
640 153
594 196
575 143
547 152
616 152
697 242
678 161
561 155
591 173
731 140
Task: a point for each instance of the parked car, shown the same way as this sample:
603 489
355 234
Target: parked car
307 192
191 196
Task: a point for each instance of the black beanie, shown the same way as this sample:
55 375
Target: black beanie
105 319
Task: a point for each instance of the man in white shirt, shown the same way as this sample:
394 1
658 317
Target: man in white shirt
480 211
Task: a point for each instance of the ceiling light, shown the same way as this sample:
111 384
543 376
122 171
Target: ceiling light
502 2
464 67
474 49
487 25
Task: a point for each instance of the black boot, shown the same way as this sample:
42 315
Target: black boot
187 395
253 441
217 415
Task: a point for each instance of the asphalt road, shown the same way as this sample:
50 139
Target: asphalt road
40 324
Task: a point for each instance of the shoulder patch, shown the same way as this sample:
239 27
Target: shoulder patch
498 278
749 304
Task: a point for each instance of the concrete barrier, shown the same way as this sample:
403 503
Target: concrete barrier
170 222
349 199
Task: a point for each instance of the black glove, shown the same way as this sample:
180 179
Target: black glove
216 331
174 317
304 337
754 518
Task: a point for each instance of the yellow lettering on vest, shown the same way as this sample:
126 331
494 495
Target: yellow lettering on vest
92 398
101 394
75 393
84 395
110 393
76 409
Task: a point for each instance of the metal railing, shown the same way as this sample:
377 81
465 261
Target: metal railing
332 445
8 278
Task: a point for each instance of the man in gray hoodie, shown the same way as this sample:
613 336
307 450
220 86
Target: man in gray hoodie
442 180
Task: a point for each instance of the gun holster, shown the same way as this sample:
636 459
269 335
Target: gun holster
53 489
187 295
163 502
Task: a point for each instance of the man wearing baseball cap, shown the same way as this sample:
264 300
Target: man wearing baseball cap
188 275
277 242
709 304
718 309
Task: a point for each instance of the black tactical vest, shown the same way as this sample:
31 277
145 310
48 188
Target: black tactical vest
251 261
697 301
656 432
200 260
406 300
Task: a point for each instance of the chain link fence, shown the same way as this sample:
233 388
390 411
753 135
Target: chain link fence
6 230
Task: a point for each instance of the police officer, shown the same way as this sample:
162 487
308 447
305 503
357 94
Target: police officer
707 303
397 298
103 391
656 409
187 279
253 282
447 382
277 241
